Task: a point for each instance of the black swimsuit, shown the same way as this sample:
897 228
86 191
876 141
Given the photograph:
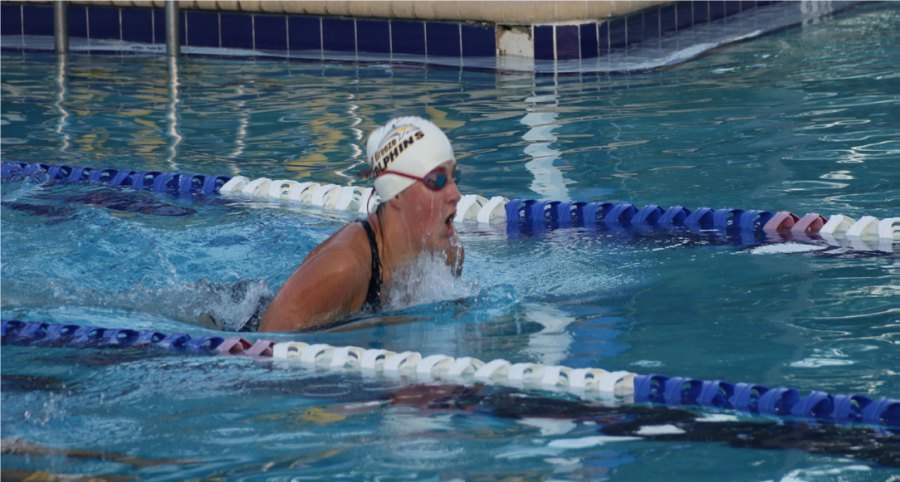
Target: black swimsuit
373 296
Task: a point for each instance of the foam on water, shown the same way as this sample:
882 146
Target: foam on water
427 279
784 248
586 442
225 306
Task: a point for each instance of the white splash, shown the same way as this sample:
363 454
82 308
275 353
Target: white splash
648 363
718 417
820 362
802 475
668 429
426 280
225 306
786 248
550 426
585 442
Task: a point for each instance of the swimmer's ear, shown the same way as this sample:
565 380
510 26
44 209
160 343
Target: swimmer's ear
395 201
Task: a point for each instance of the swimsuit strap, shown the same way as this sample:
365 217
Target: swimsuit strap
373 296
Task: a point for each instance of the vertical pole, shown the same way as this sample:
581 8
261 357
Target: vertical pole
173 34
61 26
173 51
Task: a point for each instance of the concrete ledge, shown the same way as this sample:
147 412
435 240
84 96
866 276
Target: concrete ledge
500 12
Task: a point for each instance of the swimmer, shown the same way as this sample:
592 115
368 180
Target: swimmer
353 270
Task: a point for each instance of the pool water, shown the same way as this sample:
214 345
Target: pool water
804 120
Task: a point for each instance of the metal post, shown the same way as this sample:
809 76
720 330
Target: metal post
173 51
61 26
173 34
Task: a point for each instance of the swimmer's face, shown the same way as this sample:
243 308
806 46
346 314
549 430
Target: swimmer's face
430 212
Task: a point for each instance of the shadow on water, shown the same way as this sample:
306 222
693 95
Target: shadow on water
57 204
593 423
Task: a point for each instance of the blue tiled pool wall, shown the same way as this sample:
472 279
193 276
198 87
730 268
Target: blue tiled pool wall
241 30
202 28
597 39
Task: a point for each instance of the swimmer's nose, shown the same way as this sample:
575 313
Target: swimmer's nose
453 193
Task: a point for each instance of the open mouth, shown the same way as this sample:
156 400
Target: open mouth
449 220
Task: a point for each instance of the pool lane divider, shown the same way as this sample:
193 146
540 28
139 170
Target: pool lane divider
520 215
413 367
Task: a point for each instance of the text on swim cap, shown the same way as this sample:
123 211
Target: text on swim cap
393 146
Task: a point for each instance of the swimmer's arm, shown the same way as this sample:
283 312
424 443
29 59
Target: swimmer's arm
328 286
456 254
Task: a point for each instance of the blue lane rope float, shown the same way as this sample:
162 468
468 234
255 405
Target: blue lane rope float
156 181
520 215
588 383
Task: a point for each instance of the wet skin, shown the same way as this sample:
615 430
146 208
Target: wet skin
332 282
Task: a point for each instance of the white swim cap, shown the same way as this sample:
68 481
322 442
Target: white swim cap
411 145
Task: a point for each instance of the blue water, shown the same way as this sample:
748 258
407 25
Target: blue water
804 120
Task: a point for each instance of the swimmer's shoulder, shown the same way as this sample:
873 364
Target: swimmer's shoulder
351 240
331 283
345 255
